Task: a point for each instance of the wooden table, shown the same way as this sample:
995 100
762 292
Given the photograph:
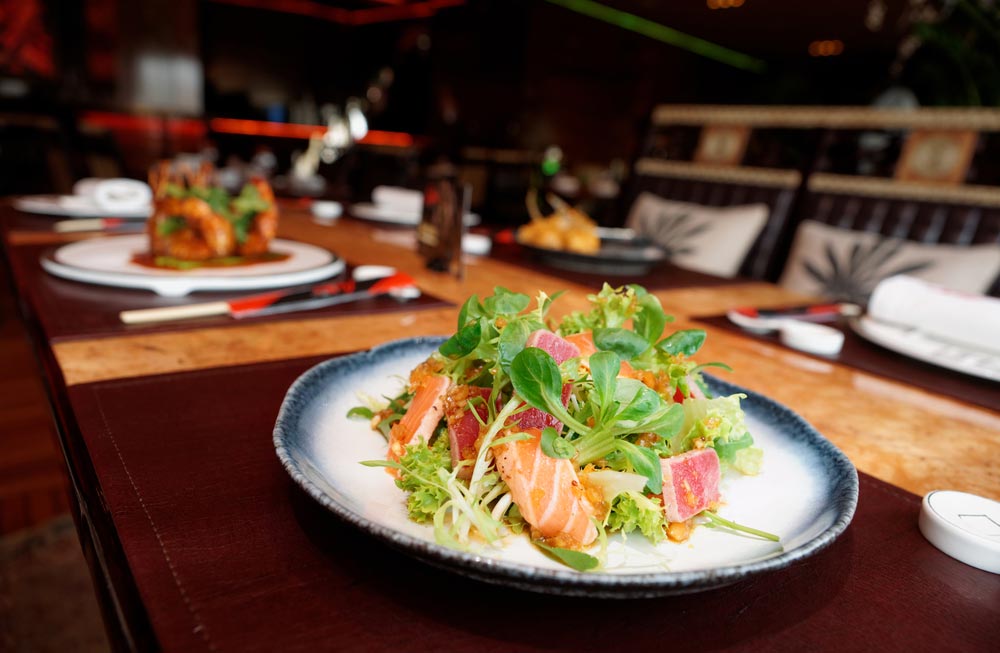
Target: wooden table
911 439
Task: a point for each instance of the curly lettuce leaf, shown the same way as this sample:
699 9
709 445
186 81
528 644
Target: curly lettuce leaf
712 420
419 476
632 510
613 307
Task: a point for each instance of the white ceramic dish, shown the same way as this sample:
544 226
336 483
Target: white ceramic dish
108 261
910 342
75 206
395 216
807 492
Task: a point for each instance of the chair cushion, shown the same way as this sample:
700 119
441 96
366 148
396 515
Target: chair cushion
708 239
847 265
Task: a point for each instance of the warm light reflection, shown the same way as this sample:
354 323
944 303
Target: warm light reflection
152 124
724 4
196 128
826 48
290 130
396 9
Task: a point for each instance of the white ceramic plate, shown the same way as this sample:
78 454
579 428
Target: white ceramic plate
389 215
911 342
108 261
807 492
75 206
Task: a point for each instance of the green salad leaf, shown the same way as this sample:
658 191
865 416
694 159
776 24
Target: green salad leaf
576 559
419 476
633 510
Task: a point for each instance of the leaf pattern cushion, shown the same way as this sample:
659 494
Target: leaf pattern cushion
847 265
708 239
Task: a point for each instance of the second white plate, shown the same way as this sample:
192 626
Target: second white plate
913 343
75 206
108 261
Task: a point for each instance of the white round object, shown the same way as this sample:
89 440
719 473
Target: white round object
326 211
965 526
369 272
811 338
476 244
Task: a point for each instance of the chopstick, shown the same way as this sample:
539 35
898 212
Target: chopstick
168 313
96 224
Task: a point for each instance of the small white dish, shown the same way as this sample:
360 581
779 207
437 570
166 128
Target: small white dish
325 212
811 338
476 244
963 525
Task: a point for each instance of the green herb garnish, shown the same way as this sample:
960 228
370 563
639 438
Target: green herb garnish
576 559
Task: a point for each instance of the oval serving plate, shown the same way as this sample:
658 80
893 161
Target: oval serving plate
617 257
806 493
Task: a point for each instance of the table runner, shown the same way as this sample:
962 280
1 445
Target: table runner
869 357
71 309
228 554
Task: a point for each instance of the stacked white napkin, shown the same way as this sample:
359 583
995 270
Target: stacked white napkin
961 318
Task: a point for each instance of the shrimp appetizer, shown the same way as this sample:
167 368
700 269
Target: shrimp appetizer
567 228
195 221
565 431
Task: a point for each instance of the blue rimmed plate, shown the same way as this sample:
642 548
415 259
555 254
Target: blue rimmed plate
806 493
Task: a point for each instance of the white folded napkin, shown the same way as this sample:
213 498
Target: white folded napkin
115 194
958 317
404 200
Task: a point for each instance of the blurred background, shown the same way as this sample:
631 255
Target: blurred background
509 89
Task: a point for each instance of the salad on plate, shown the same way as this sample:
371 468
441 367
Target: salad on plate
563 431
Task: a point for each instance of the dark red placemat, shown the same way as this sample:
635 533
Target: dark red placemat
869 357
660 277
71 309
229 554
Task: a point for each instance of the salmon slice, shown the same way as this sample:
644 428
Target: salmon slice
547 491
421 417
584 341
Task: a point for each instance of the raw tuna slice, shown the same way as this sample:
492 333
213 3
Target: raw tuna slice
463 427
690 483
539 419
560 349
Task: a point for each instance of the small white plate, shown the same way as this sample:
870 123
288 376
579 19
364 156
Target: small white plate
75 206
915 344
391 215
108 261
